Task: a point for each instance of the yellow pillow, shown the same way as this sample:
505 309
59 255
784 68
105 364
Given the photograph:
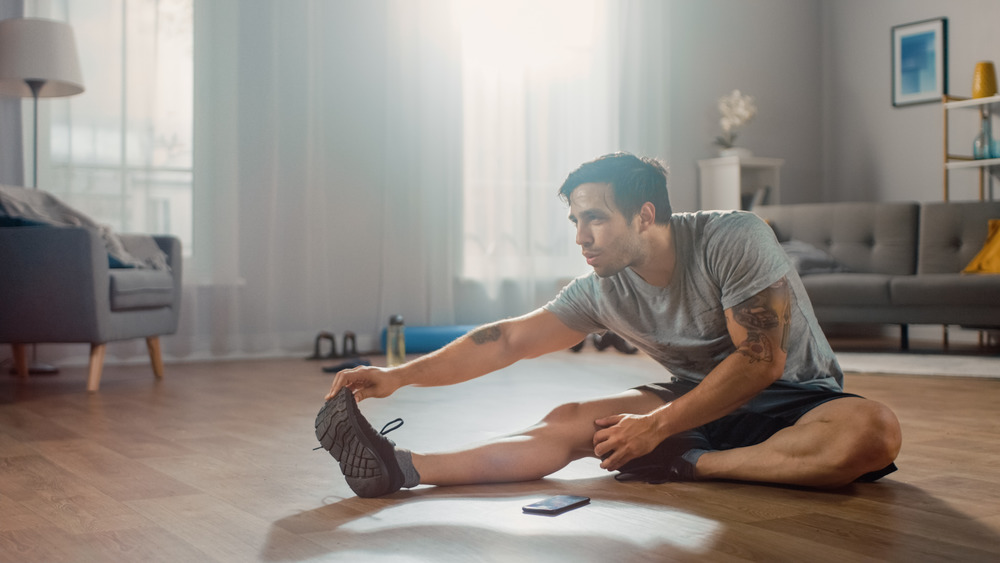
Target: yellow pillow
988 259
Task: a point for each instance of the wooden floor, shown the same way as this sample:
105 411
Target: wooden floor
215 463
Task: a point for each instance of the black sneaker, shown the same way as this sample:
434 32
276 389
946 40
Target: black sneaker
367 458
665 464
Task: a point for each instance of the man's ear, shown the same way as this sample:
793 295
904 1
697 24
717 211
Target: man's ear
647 215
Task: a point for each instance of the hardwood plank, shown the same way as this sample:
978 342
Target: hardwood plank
942 524
147 544
62 498
881 542
42 544
23 425
111 473
224 532
15 516
215 463
9 446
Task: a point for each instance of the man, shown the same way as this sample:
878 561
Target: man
756 393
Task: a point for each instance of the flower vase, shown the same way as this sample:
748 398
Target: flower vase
983 145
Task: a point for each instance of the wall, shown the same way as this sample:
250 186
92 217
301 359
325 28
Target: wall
872 150
11 145
769 49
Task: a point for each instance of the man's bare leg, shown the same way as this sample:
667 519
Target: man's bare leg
831 445
564 435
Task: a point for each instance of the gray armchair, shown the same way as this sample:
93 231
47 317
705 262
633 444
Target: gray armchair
56 286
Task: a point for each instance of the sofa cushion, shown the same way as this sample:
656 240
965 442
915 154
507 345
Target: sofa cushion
140 289
952 233
946 289
809 260
878 238
987 261
848 289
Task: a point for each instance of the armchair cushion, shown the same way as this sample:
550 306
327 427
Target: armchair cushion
140 289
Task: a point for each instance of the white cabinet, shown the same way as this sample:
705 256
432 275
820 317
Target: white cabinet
736 182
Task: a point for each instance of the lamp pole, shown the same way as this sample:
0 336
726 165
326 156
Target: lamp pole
36 87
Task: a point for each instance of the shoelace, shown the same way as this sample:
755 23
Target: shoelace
385 429
395 424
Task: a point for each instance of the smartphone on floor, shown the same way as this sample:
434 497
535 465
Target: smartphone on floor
555 505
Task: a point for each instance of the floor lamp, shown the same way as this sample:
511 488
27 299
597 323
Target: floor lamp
38 60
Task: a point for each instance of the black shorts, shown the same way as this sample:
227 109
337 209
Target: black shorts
777 407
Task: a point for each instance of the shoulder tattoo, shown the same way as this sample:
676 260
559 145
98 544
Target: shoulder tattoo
765 316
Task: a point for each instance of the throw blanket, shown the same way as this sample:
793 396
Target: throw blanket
36 206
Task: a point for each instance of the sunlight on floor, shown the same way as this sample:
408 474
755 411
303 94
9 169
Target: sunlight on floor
661 525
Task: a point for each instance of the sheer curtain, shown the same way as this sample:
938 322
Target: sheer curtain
362 159
539 97
542 94
358 159
327 173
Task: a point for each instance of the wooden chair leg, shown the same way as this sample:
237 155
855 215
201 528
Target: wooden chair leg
96 366
153 344
20 360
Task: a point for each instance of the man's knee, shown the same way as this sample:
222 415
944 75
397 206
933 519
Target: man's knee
875 439
568 413
569 425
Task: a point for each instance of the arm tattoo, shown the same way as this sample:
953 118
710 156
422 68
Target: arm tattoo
484 334
764 312
757 347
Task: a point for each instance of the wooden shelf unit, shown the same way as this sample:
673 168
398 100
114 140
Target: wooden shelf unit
954 161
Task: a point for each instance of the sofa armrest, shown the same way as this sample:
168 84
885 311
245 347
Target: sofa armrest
55 285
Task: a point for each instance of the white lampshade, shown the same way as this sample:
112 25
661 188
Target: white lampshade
42 51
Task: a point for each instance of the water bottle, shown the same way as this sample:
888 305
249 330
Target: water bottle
395 343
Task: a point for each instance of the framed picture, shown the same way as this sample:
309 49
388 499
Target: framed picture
919 62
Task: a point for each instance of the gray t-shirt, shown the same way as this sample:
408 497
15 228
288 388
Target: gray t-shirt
723 259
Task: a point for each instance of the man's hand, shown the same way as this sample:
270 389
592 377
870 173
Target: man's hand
365 382
624 437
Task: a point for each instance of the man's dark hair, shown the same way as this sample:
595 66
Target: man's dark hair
633 180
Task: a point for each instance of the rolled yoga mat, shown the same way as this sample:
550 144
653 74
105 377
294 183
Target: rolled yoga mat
420 339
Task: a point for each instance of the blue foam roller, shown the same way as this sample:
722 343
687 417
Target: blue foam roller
421 339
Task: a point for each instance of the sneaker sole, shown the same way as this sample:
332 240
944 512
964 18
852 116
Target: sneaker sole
339 430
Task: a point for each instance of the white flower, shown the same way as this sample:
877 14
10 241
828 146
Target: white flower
737 110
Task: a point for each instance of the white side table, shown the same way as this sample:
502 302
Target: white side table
733 182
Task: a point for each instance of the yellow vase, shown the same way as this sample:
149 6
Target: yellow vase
984 80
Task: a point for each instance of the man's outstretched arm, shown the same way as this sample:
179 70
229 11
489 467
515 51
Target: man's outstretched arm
484 350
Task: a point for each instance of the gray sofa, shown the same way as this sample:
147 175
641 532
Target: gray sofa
895 263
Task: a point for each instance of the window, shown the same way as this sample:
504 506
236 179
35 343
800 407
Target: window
539 98
121 152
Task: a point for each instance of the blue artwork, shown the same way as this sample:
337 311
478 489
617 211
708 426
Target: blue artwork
917 68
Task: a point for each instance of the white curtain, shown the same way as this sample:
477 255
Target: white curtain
327 173
546 86
357 159
540 96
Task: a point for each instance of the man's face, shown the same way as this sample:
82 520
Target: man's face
609 242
